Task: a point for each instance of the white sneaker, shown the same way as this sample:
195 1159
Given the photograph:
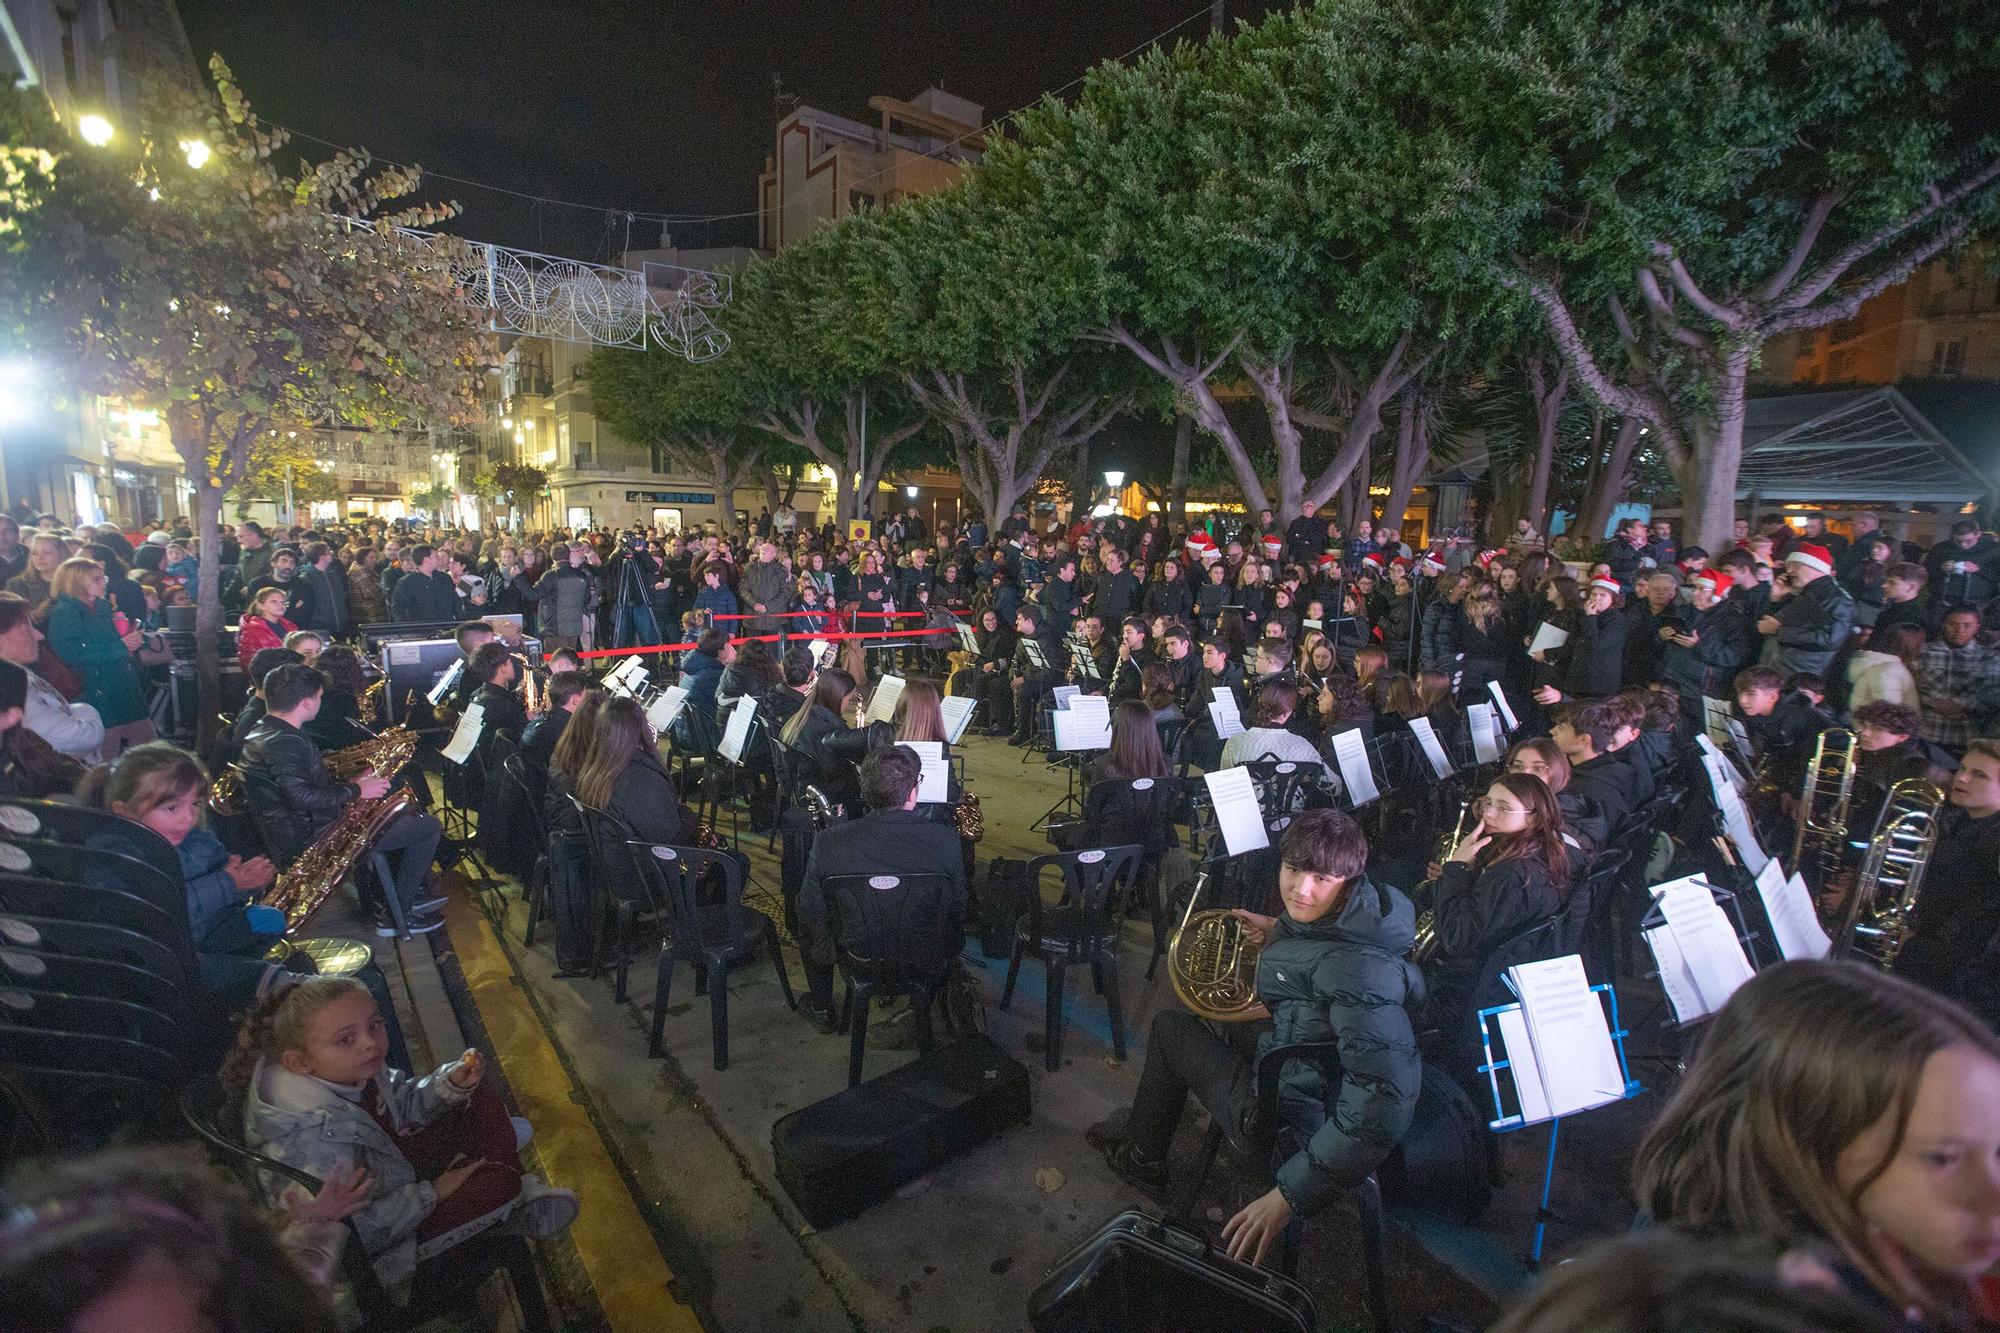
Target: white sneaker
524 1132
543 1209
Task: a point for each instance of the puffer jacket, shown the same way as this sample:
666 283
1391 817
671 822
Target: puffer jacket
562 598
1344 978
1812 625
306 1123
290 790
1438 638
1476 911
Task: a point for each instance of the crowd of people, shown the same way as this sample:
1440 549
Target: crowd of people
1835 1134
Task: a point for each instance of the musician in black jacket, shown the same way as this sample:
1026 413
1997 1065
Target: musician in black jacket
296 799
1782 725
498 672
1030 683
1585 733
891 839
1509 872
1128 665
538 742
1958 910
1218 671
1183 663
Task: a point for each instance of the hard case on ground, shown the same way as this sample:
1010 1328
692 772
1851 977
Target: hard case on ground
1141 1273
841 1154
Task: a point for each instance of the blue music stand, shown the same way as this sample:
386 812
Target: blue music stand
1502 1123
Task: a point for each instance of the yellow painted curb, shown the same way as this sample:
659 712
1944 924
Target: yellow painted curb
625 1266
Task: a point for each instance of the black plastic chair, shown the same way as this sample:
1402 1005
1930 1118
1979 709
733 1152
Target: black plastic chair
48 821
1275 1142
707 936
107 943
619 895
70 863
92 1015
535 885
471 1262
28 968
67 1110
891 937
1081 928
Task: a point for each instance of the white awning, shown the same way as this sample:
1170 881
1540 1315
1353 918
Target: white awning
1868 445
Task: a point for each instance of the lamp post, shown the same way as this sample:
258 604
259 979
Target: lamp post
1116 481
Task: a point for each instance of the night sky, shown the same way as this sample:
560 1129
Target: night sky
664 108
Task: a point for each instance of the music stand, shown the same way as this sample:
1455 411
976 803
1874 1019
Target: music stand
1503 1123
1732 904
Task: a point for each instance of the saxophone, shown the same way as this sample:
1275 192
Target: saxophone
318 870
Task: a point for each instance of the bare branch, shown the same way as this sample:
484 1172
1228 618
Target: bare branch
1660 309
1822 279
1818 316
1822 209
1685 284
1570 342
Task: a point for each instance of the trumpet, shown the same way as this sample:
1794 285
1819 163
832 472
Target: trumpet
1212 962
1823 801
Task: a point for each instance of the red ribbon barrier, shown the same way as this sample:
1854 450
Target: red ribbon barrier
759 638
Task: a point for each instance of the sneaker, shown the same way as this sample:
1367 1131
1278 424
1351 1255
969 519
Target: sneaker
524 1132
385 926
543 1210
425 907
424 925
1148 1177
817 1014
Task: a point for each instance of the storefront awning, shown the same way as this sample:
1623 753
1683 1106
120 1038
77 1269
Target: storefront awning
1855 445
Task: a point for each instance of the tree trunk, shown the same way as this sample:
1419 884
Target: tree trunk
191 443
1178 491
1081 488
1608 483
1708 480
1413 455
1548 398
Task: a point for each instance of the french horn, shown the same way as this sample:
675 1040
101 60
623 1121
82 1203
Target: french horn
1212 962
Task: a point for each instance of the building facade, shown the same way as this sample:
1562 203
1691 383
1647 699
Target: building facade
1944 323
826 166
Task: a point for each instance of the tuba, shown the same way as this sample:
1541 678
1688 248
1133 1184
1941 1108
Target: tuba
318 870
1823 800
1213 963
1875 919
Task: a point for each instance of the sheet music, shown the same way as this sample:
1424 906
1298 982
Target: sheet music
934 786
1222 711
1427 737
1062 694
1081 729
737 733
1238 816
1521 1063
1713 954
446 681
1789 908
1350 752
957 710
967 639
1742 833
663 710
882 703
1506 709
1741 740
1715 720
1723 767
467 736
1310 623
1572 1041
1547 636
1485 730
818 649
1036 657
1683 995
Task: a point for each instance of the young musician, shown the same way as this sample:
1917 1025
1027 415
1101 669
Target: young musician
538 742
1836 1109
1508 872
1028 683
1183 663
498 673
796 670
1958 909
296 799
1092 642
1128 666
1331 966
1584 826
1781 726
1270 735
819 733
1585 735
891 839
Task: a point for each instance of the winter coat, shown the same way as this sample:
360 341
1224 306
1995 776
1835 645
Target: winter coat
717 601
255 634
1722 644
85 638
365 600
771 585
562 598
1438 638
306 1123
1475 911
1879 676
1344 978
418 599
1596 666
700 676
1812 625
72 729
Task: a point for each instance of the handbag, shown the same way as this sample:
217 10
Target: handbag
153 650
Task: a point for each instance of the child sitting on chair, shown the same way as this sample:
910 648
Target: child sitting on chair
439 1154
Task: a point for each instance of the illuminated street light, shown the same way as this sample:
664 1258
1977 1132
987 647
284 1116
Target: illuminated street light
16 379
197 153
95 129
1115 480
910 491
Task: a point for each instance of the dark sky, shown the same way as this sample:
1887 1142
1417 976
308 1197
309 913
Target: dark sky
660 107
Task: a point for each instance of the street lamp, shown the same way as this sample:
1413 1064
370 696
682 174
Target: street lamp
1115 480
910 491
16 379
95 129
197 153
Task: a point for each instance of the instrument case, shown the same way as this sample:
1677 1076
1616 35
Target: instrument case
843 1153
1142 1273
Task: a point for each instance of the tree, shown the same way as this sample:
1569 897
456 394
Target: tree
284 457
1716 172
692 411
237 298
434 498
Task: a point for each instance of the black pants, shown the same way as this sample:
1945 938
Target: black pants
1184 1054
996 694
411 840
1034 687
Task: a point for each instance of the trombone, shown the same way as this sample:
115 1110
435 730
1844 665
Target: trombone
1823 802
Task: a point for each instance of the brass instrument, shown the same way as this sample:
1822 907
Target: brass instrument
1426 937
1823 801
372 701
820 806
534 689
320 868
1213 963
969 817
1875 918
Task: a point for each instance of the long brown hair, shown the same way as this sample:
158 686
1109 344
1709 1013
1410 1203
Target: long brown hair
917 716
1482 606
1549 753
1135 743
579 733
1804 1059
1395 693
1542 839
830 691
623 734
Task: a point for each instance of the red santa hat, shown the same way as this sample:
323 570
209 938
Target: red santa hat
1609 585
1711 579
1432 563
1199 543
1272 545
1811 556
1327 560
1400 564
1486 558
1374 561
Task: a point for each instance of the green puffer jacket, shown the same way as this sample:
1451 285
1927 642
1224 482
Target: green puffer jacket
1344 978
